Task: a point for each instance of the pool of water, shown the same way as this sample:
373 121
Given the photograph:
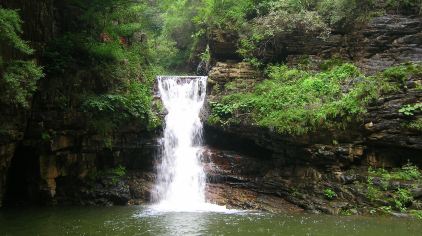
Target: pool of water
137 220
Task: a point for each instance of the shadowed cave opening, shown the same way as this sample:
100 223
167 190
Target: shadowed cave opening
22 186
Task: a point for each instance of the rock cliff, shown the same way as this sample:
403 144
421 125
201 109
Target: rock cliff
254 167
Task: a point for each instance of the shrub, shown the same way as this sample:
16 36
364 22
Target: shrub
114 174
329 193
19 82
407 172
416 125
386 209
414 6
411 109
275 20
400 74
345 14
295 101
401 198
372 192
10 30
18 77
107 70
417 214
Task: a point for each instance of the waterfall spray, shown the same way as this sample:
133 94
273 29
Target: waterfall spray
181 179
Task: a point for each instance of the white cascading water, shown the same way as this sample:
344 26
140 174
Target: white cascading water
181 179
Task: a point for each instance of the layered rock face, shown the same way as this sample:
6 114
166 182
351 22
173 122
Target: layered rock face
253 167
69 165
256 168
389 40
383 42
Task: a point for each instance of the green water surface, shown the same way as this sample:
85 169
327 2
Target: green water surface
137 220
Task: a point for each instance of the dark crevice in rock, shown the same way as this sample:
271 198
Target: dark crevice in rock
23 178
232 141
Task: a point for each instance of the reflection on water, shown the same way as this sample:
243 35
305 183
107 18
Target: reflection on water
182 224
143 221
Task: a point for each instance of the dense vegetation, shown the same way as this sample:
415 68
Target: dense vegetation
106 57
19 74
297 101
380 188
107 69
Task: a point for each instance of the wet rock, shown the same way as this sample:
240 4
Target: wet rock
400 215
417 193
348 179
140 186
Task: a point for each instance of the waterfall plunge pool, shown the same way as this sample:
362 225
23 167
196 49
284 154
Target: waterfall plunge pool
181 208
140 220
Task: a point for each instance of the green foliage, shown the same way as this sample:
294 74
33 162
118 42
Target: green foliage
267 23
290 16
331 63
401 198
385 209
343 14
222 110
119 171
19 82
402 73
411 109
114 174
10 30
372 192
45 136
329 193
407 172
349 212
18 77
206 55
416 213
416 125
112 81
295 101
238 85
275 20
108 52
186 24
283 18
225 14
108 69
122 107
414 6
127 105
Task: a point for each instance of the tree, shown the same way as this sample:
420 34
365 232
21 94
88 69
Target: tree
18 76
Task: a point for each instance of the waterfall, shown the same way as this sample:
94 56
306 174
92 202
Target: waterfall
181 179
